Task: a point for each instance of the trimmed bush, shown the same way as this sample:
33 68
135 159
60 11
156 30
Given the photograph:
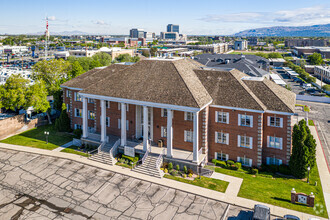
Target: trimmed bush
219 163
170 166
165 170
184 175
254 171
284 169
174 172
190 171
133 159
185 170
77 132
190 175
230 162
238 165
177 167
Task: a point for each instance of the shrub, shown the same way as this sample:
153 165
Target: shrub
230 162
165 170
270 168
165 165
233 167
190 171
170 166
190 175
238 165
284 169
184 175
219 163
177 167
254 171
174 172
77 132
185 170
133 159
63 122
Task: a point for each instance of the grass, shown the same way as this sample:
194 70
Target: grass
306 108
74 150
311 122
124 165
36 138
205 182
275 190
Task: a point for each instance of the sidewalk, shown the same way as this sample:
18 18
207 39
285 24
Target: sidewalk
230 199
234 183
63 146
323 168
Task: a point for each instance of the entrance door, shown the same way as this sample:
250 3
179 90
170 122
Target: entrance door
150 122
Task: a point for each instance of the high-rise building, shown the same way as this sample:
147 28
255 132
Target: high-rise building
173 28
136 33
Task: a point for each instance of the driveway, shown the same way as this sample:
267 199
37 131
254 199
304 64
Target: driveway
34 186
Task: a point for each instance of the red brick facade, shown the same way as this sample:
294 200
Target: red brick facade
207 128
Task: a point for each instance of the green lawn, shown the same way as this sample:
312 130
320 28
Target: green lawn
36 138
74 150
276 190
306 108
205 182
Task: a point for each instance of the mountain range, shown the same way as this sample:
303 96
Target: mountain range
288 31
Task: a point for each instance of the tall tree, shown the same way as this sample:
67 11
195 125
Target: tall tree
315 59
104 58
36 96
76 70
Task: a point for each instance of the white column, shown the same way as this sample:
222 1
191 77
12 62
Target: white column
123 124
195 140
85 118
169 133
145 128
103 122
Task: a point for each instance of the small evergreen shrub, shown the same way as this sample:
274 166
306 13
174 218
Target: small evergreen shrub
174 172
254 171
190 175
238 165
170 166
230 162
185 170
184 175
177 167
165 170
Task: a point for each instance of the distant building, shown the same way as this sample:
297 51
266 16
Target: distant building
305 42
241 45
306 51
322 72
136 33
276 61
174 36
149 35
251 65
173 28
82 53
253 41
208 48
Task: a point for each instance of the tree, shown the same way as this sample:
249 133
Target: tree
76 70
274 55
153 51
124 57
53 73
63 122
315 59
12 93
303 150
36 96
94 63
104 58
145 53
326 87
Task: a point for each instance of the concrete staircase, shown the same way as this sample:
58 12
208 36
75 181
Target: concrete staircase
103 156
149 167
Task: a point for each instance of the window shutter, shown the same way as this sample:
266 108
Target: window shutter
250 162
215 155
238 140
108 121
281 143
185 136
239 119
185 116
227 157
279 162
268 120
227 138
216 116
227 117
127 107
281 122
251 142
268 141
119 105
267 160
127 123
119 124
238 159
216 137
251 121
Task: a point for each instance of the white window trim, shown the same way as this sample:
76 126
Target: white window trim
186 116
108 125
271 158
217 118
89 115
75 113
162 112
217 138
250 161
163 131
268 121
281 142
185 136
216 156
239 141
251 120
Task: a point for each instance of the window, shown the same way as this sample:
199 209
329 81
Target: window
78 112
245 120
188 136
221 156
119 124
68 93
245 161
221 138
222 117
107 121
244 141
91 100
91 115
68 108
274 121
188 116
273 161
77 97
164 112
163 131
107 104
274 142
77 126
119 106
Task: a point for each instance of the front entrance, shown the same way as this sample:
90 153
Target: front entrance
139 122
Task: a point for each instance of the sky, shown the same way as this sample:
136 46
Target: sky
200 17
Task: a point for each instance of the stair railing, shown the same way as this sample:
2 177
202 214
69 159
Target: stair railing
113 150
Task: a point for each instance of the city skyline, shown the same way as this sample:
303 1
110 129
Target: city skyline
109 17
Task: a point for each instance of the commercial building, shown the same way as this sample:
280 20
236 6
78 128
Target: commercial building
136 33
241 45
249 64
253 41
173 28
149 35
207 48
278 62
193 110
306 42
173 36
323 73
82 53
306 51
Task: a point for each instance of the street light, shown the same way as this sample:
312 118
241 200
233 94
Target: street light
308 168
46 134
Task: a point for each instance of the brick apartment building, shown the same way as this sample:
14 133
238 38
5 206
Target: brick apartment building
219 114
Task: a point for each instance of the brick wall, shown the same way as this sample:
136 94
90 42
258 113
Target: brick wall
17 124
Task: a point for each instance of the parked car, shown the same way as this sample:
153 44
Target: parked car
261 212
291 217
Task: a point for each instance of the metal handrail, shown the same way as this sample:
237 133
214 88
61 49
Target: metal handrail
144 156
200 151
114 148
159 159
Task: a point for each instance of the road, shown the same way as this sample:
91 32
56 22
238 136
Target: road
320 114
33 186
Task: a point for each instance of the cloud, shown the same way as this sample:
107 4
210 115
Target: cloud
99 22
303 16
51 18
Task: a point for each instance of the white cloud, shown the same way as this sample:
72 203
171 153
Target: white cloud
99 22
51 18
302 16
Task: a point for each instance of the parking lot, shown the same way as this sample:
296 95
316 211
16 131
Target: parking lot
42 187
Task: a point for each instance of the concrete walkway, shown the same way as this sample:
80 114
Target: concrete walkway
324 171
63 146
195 190
234 183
